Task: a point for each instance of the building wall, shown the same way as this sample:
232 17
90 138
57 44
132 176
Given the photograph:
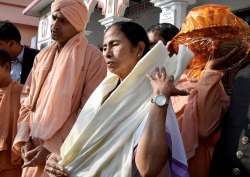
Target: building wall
144 14
27 32
95 29
17 2
12 11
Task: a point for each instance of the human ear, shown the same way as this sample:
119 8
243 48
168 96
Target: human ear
12 43
140 48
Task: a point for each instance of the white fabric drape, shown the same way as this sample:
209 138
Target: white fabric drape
101 142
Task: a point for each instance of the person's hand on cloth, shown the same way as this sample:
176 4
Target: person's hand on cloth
26 148
235 56
52 167
33 156
163 84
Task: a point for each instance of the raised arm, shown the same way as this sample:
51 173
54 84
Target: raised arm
152 151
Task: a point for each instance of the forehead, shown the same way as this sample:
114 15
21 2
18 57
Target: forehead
154 36
114 33
58 14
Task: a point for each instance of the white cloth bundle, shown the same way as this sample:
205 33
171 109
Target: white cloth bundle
101 141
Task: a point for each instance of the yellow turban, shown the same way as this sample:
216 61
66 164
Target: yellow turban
74 11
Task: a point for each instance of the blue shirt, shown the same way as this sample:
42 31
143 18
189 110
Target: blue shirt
16 67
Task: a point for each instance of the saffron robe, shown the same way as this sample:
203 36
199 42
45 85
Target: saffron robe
57 88
199 115
10 163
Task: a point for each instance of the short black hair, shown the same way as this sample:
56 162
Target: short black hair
134 32
4 57
166 30
9 31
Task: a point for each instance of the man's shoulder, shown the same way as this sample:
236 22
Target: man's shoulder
94 50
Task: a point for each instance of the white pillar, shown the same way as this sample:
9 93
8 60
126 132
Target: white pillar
90 5
110 20
173 11
111 12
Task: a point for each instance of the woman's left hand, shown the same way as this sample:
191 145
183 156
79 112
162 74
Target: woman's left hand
163 84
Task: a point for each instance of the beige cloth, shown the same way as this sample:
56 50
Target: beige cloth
59 84
10 163
101 142
199 116
74 11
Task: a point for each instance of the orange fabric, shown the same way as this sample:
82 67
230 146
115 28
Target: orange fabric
199 115
8 167
74 11
10 163
211 31
211 15
196 66
199 165
57 87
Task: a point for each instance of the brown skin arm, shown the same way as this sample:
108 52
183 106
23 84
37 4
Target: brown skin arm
152 151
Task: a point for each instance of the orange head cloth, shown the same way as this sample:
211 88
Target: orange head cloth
74 11
210 31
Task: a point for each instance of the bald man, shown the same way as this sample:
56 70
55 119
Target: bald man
62 78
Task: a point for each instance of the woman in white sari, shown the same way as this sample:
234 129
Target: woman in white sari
120 132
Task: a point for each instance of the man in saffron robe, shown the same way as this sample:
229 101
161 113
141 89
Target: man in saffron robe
10 164
61 80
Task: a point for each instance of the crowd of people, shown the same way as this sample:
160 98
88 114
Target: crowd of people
136 109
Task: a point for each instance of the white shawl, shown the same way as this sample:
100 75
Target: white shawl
101 141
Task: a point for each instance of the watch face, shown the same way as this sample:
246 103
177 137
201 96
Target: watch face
160 100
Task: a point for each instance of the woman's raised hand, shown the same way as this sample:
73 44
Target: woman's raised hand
162 84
